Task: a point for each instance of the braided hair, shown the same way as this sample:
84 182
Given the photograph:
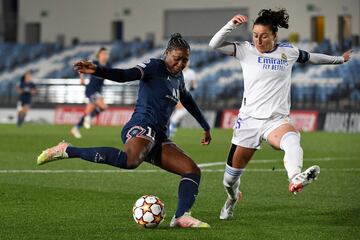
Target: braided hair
274 19
177 42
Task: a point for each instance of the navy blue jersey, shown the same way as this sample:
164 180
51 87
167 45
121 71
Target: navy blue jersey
159 92
26 88
95 83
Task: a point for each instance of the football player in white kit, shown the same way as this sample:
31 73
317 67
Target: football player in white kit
180 112
265 108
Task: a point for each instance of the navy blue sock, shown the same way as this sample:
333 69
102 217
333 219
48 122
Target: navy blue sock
188 190
105 155
95 112
81 122
20 119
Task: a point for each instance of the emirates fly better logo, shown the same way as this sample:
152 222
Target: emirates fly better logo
273 64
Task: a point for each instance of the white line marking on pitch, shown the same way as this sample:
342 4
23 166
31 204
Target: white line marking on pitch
202 165
157 170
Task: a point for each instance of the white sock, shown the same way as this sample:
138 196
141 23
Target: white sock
293 158
231 181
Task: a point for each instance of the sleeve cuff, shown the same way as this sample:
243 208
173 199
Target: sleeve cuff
231 25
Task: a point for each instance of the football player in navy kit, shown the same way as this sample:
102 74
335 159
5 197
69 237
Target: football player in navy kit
93 90
145 137
26 89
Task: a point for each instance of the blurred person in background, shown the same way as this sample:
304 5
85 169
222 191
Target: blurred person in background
180 112
26 89
93 92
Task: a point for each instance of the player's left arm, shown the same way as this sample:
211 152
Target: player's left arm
318 58
188 102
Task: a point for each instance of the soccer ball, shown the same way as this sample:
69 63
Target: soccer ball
148 211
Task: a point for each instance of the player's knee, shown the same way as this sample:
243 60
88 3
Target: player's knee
290 140
194 169
134 163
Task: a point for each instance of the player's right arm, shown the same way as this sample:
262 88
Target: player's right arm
218 40
113 74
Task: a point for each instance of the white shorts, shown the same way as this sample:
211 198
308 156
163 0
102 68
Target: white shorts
249 132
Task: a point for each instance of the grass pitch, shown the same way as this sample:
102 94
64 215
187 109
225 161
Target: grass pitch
64 204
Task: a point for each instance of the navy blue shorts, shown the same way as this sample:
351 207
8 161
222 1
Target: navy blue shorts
93 97
143 130
23 102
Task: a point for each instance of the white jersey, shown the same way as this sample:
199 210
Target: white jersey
189 78
267 79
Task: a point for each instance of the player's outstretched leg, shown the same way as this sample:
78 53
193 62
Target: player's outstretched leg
106 155
136 150
176 161
300 180
293 162
293 157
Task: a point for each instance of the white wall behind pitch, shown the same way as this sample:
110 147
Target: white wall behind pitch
89 20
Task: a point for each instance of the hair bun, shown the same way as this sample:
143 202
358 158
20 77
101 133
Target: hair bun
266 13
176 35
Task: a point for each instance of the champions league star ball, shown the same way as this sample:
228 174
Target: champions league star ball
148 211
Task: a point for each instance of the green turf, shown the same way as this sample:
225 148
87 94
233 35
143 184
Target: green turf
98 205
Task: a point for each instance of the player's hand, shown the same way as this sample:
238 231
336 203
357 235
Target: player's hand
207 138
347 55
85 66
239 19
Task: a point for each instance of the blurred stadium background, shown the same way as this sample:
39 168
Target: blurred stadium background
47 36
77 200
